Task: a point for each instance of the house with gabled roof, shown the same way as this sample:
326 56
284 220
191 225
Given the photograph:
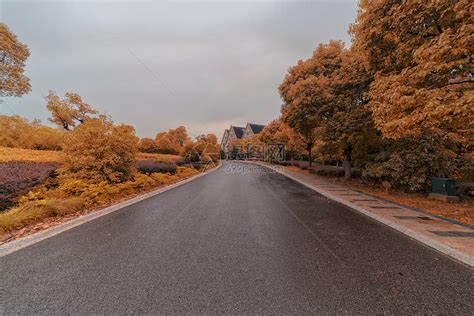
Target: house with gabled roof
252 129
224 138
237 132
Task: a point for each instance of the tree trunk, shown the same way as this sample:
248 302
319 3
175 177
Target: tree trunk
310 147
291 157
347 161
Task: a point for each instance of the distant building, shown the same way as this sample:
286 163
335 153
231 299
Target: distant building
237 132
252 129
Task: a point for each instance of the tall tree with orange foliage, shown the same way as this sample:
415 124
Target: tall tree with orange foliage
306 91
70 111
348 122
13 56
421 53
325 94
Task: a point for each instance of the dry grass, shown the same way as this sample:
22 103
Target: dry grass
72 196
159 157
18 154
33 212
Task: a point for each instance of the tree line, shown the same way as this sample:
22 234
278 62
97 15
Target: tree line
96 149
100 160
397 103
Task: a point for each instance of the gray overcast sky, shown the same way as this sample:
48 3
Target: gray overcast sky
220 62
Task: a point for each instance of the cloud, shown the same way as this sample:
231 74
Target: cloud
218 62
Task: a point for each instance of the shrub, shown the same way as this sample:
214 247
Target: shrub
204 150
34 211
18 132
97 150
330 172
465 188
150 166
63 195
336 172
148 145
18 177
408 164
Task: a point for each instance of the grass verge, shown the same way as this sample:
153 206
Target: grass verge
75 196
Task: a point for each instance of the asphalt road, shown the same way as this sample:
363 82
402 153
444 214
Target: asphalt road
233 242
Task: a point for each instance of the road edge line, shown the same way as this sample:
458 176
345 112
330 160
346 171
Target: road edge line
453 253
34 238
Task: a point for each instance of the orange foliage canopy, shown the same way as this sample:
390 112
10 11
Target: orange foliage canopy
13 55
172 141
69 112
205 149
277 131
98 150
324 98
18 132
421 55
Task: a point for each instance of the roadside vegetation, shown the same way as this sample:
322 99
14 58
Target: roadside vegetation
394 108
99 163
87 161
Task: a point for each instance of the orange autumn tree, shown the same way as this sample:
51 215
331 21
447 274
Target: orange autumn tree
70 111
100 151
325 98
172 141
304 120
13 56
348 123
277 131
306 91
18 132
242 145
147 145
204 149
421 53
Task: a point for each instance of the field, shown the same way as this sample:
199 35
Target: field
159 157
18 154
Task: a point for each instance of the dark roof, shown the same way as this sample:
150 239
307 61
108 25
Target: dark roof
239 131
256 128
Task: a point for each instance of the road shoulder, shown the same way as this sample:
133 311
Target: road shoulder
456 241
34 238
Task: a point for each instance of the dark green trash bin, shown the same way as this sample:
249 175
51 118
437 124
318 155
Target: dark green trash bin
443 186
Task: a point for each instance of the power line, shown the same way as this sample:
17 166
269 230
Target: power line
170 90
8 107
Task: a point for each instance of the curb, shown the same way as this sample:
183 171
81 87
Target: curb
456 254
29 240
